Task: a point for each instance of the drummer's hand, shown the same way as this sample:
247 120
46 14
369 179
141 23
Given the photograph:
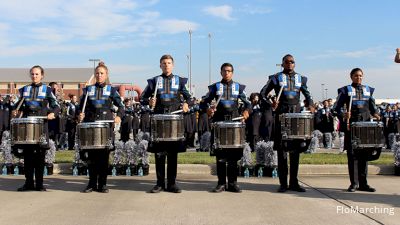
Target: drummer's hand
312 109
117 119
152 102
185 107
210 112
245 114
14 113
275 104
81 117
51 116
347 115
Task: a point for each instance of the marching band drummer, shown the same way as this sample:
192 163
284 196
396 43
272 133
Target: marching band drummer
100 100
362 107
36 99
228 92
169 87
289 84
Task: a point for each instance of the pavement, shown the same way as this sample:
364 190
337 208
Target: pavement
325 202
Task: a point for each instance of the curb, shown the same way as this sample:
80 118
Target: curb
304 169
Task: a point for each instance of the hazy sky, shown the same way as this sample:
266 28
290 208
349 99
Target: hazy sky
327 38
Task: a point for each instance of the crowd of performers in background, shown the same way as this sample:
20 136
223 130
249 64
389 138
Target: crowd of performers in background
198 125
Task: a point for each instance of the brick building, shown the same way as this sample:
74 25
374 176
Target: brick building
72 80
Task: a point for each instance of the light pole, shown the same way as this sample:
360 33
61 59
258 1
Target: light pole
326 93
322 91
188 66
94 64
209 58
279 65
190 60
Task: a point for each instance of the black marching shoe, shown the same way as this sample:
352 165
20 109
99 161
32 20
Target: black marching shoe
366 188
282 189
234 188
103 189
297 188
352 188
41 189
26 188
157 189
219 188
88 189
174 189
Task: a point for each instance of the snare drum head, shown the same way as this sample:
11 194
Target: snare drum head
167 117
297 115
225 124
26 120
94 124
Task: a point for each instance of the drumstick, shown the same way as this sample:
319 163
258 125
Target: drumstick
279 95
38 117
155 93
20 103
86 97
348 119
19 106
238 118
217 102
105 121
177 111
280 92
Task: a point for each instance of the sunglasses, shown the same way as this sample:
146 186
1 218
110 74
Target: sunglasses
291 62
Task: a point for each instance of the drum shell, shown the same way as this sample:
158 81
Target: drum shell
296 126
167 127
366 135
229 135
94 135
26 131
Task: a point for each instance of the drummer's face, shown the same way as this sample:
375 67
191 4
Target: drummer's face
357 77
36 75
101 75
167 65
288 63
227 73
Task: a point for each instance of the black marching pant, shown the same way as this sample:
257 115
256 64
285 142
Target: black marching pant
358 169
357 165
34 165
283 167
171 167
98 167
227 167
71 129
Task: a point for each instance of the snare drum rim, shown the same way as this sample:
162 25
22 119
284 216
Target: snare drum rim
97 124
26 120
229 124
367 124
297 115
166 117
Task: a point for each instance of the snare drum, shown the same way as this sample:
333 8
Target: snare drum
95 135
229 134
367 135
296 126
27 131
167 127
